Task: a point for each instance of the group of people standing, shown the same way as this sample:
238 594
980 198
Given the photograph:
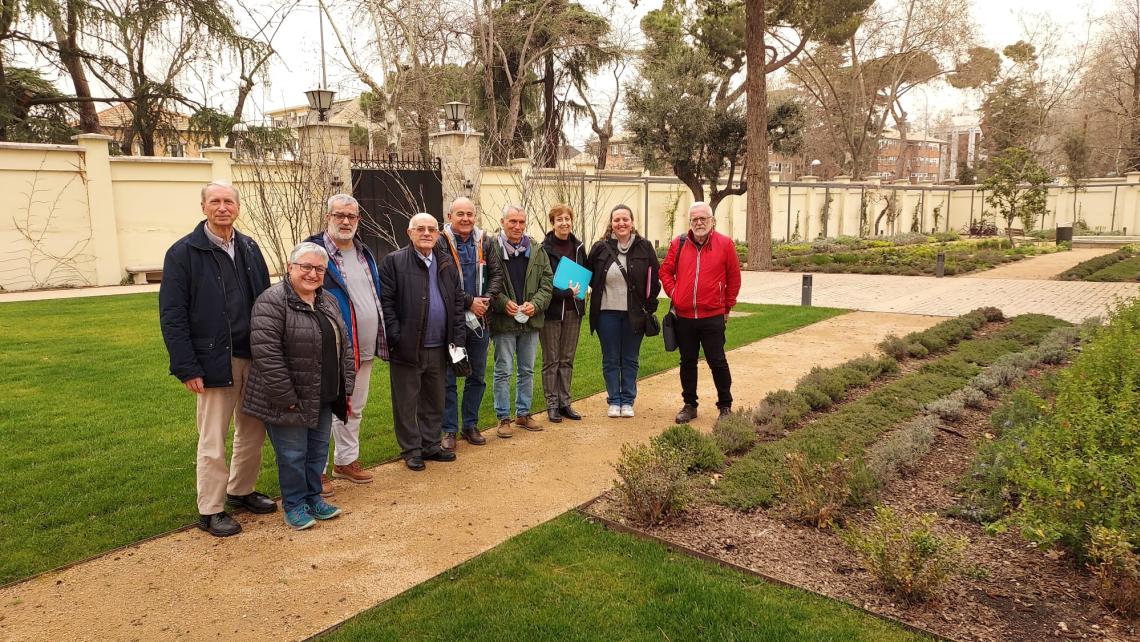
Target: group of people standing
294 360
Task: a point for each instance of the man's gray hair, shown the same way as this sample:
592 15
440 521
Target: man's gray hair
422 216
308 247
507 209
700 204
341 199
229 186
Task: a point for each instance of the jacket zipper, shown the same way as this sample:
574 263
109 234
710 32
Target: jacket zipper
696 280
229 329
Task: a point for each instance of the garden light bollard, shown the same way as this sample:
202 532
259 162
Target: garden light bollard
805 294
940 265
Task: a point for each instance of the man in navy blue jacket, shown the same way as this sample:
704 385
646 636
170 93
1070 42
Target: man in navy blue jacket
210 279
354 281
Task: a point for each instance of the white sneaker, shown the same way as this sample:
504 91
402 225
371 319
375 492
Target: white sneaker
627 411
615 411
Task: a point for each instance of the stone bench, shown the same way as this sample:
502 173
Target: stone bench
143 274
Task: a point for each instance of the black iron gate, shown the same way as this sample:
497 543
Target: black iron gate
391 191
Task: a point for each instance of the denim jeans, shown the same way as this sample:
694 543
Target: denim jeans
302 454
524 346
621 354
474 385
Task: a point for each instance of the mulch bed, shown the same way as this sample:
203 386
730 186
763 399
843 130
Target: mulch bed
1009 590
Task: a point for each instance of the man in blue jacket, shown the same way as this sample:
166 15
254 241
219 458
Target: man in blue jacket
210 279
354 280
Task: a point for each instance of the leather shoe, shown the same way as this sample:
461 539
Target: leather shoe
448 441
254 502
415 463
474 437
723 412
687 414
569 413
440 455
527 423
554 416
219 524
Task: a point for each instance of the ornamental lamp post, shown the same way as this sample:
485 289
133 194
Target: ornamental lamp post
321 100
455 112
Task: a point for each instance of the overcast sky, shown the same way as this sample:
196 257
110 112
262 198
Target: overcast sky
298 68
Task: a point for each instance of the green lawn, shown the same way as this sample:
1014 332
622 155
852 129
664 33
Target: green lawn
569 579
99 439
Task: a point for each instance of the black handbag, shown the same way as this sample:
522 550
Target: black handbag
668 331
652 326
668 323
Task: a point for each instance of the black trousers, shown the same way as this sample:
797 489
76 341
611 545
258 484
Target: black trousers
417 402
693 335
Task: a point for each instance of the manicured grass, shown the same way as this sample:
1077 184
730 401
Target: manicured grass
99 439
572 580
755 479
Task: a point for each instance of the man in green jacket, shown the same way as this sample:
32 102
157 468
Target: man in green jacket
516 317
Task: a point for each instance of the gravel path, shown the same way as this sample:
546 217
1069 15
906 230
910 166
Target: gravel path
404 528
1040 268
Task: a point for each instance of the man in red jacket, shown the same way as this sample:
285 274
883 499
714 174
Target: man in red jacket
701 274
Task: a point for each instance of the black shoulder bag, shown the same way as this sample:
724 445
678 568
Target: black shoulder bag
668 323
652 326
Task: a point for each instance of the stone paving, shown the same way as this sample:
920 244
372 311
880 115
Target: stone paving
1069 300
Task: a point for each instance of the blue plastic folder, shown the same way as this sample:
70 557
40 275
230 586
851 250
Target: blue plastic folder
568 271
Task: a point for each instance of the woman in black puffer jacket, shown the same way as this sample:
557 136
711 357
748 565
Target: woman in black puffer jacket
303 372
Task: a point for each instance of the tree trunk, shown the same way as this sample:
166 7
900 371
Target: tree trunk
1132 160
548 153
759 232
902 163
603 149
486 37
66 36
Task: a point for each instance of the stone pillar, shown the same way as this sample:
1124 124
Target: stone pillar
954 154
1130 213
839 211
221 163
971 137
458 153
327 150
808 215
101 205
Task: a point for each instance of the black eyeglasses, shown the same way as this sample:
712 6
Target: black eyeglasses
306 268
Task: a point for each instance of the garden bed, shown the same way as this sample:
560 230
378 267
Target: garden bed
1121 265
962 257
1003 588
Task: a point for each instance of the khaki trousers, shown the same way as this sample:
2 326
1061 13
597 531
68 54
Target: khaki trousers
216 406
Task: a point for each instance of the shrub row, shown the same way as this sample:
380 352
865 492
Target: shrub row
939 337
1067 473
1082 271
758 478
819 389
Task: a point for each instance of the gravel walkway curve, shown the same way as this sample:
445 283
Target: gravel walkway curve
405 527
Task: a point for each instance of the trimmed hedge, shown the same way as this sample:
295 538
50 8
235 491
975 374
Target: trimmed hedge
1087 270
756 478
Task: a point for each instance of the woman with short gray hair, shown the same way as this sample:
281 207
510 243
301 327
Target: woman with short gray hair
303 373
